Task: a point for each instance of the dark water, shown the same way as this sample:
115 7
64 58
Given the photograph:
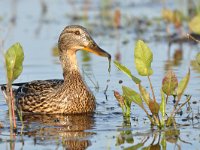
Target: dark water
37 25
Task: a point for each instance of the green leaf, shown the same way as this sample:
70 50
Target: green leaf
145 94
143 58
198 58
163 106
183 84
132 96
194 24
125 70
14 58
169 83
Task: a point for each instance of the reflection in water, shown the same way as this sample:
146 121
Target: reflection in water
117 25
44 10
155 139
176 60
125 135
195 66
68 130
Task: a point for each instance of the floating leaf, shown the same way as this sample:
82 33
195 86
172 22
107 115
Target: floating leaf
14 58
183 84
169 83
145 95
194 24
198 58
143 58
132 96
125 70
154 107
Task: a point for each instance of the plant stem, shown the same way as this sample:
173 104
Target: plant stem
160 125
156 120
189 36
154 98
13 108
167 99
9 108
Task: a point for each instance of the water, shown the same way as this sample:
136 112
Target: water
37 25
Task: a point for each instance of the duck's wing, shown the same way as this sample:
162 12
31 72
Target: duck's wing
36 86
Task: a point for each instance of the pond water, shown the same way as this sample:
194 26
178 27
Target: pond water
37 25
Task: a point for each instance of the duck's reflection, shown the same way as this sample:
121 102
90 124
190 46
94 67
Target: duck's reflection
66 130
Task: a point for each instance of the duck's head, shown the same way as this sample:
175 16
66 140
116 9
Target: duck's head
75 37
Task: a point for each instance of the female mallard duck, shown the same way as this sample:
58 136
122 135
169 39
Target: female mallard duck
68 96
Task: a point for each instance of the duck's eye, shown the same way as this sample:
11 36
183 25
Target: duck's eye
77 32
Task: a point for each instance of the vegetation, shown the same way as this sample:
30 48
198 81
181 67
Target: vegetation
156 112
14 57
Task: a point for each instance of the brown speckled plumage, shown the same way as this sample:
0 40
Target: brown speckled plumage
68 96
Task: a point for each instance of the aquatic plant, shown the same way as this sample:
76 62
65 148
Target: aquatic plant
173 16
194 24
14 57
198 58
143 58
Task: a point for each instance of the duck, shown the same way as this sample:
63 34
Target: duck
69 95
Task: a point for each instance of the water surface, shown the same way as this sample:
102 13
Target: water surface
37 25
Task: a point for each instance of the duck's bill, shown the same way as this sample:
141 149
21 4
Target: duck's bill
98 51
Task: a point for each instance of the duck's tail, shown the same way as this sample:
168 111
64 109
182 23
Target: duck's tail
4 91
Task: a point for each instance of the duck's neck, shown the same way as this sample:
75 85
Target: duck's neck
69 65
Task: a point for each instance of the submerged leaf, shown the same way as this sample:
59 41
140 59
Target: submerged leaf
183 84
143 58
132 96
125 70
169 83
145 95
14 58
